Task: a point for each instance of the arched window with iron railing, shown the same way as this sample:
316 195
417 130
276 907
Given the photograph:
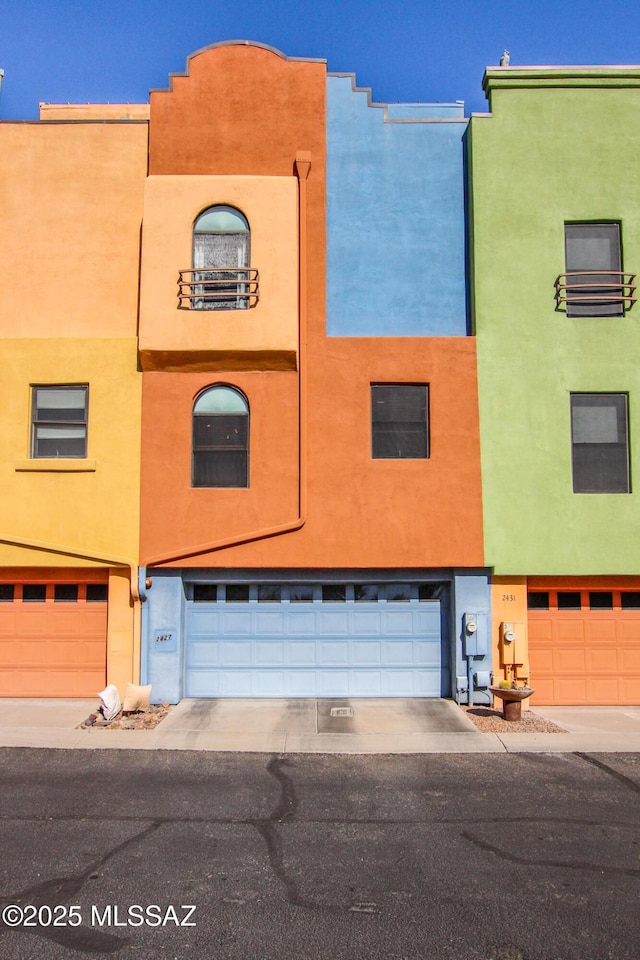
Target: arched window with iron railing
221 277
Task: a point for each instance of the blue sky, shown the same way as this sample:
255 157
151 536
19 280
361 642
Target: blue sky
116 50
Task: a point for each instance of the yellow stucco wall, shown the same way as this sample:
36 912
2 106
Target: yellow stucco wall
271 327
509 604
71 198
90 505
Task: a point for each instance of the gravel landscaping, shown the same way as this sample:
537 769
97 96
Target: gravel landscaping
137 720
491 721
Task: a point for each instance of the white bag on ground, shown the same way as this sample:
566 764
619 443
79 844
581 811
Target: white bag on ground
110 700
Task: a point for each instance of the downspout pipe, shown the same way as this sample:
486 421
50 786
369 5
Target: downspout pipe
302 166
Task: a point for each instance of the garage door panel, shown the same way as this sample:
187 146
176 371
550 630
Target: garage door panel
629 631
570 660
629 661
269 653
301 653
334 654
366 624
232 654
629 688
599 660
52 649
566 631
594 657
321 648
600 630
269 624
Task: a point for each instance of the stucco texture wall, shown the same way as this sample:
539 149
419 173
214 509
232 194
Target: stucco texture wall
71 197
545 157
89 505
395 217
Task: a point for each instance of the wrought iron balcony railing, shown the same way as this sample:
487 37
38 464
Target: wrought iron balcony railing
595 292
218 288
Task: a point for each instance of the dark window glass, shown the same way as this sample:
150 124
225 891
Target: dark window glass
430 591
301 593
269 593
599 443
65 593
237 593
59 422
34 592
97 593
592 252
538 600
334 593
630 600
220 439
601 600
205 592
399 421
6 592
398 593
365 592
568 600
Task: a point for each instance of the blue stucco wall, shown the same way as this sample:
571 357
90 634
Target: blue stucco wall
472 594
395 216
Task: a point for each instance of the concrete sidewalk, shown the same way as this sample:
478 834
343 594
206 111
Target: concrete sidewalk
318 726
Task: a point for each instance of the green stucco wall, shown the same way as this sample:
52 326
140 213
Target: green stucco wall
550 154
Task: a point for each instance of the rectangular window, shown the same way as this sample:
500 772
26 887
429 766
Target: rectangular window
600 600
538 601
6 592
59 422
65 593
399 421
630 600
97 593
569 600
269 593
593 265
34 593
205 593
237 593
334 593
599 443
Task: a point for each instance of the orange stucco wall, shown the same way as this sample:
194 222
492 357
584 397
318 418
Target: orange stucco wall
71 196
361 512
241 110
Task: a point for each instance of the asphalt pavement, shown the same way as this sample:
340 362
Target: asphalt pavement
346 726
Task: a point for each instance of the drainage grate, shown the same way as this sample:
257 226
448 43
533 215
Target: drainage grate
341 712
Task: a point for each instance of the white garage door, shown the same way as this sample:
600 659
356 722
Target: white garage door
315 640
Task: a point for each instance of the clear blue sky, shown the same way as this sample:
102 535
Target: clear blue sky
116 50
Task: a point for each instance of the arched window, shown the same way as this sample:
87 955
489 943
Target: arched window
221 256
220 439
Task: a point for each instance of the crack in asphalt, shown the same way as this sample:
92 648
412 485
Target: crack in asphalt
61 890
620 777
533 862
284 811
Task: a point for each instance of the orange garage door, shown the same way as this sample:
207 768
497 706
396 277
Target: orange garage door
584 645
53 639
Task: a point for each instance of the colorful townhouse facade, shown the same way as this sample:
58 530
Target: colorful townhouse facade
70 392
307 399
333 376
555 241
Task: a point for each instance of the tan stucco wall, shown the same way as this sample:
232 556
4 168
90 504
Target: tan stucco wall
71 199
271 326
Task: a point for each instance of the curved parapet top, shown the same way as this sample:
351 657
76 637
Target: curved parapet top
231 43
